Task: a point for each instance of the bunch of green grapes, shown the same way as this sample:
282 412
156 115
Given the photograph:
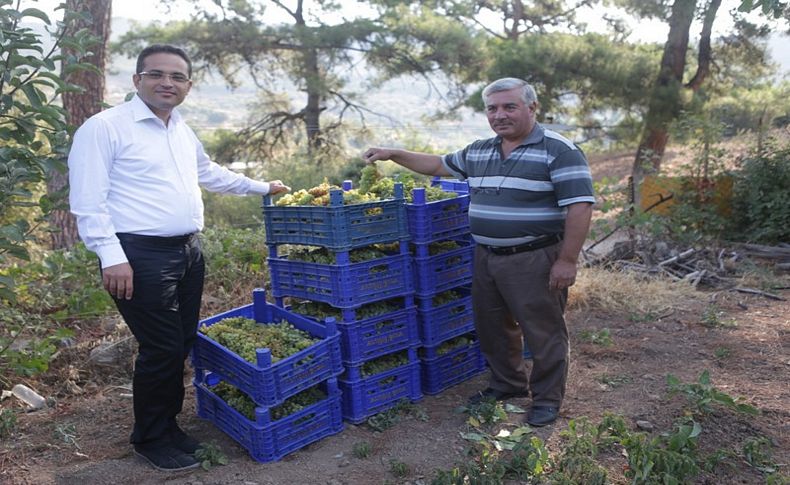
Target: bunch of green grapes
295 403
440 247
385 363
244 336
321 311
368 177
433 194
236 399
445 297
384 188
323 255
461 341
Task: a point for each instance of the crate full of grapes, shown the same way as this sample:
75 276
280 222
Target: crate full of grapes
343 279
435 220
270 433
333 218
442 265
370 330
266 351
379 384
449 363
451 185
444 315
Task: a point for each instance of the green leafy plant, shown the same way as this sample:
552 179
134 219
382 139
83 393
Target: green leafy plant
599 337
722 352
361 449
702 395
209 455
613 381
487 411
7 423
668 458
392 416
67 433
712 318
758 453
399 468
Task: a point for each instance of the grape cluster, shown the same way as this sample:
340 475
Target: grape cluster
384 188
454 343
321 311
244 404
440 247
445 297
244 336
319 196
322 255
384 363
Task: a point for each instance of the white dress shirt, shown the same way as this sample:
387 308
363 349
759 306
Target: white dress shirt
129 172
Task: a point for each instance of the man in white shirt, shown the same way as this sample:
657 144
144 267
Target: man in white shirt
135 172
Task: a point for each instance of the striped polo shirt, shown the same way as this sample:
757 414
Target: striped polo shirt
524 196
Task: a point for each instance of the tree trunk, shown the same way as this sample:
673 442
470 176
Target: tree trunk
665 100
312 117
83 105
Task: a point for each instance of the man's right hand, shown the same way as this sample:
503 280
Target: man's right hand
374 154
117 280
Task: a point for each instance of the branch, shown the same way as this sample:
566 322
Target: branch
704 56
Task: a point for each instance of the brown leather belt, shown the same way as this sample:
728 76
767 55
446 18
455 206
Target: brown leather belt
541 242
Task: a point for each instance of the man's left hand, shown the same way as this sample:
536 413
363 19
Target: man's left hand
563 275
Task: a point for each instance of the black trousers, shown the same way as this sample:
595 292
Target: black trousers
163 315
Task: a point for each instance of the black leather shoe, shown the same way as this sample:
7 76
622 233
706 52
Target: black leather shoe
167 458
542 415
183 441
490 394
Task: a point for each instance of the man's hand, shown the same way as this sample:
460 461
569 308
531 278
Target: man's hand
117 280
277 187
372 155
563 275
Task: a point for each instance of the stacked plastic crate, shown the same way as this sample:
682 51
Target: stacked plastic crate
271 432
443 252
462 187
378 349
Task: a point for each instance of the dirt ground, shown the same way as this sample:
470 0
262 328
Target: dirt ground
83 439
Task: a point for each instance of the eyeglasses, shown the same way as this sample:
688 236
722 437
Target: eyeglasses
176 77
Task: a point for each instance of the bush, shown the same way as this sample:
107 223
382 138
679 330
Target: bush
761 210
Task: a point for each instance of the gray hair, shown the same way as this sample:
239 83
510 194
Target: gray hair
506 84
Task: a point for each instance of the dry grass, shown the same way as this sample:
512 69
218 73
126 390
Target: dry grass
629 293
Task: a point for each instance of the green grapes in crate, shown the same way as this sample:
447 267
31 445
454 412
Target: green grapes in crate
440 247
244 404
446 297
319 196
322 255
454 343
372 182
244 336
321 311
384 363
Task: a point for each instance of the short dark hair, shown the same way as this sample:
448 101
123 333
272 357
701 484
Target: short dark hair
159 48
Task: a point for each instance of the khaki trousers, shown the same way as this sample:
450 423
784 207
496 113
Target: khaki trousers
507 289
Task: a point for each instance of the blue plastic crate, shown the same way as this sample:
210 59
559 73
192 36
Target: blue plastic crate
443 322
365 396
337 226
268 440
266 383
345 284
434 274
451 185
438 372
441 219
368 338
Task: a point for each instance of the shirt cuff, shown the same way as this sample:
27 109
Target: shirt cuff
111 255
256 187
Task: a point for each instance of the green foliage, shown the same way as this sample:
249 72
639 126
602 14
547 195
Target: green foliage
209 455
66 433
33 131
235 263
761 208
722 352
613 381
399 468
392 416
702 395
598 337
7 423
665 459
712 318
758 453
361 450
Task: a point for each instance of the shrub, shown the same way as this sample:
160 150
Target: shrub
761 210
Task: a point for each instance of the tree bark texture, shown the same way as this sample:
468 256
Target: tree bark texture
665 100
81 106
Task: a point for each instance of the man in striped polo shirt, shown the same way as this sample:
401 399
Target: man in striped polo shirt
530 209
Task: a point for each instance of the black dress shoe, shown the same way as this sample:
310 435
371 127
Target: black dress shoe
490 394
183 441
166 458
542 415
